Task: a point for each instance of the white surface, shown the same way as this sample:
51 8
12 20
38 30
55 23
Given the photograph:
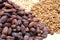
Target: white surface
26 4
53 37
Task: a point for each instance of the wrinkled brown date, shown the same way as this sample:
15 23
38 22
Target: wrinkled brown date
5 30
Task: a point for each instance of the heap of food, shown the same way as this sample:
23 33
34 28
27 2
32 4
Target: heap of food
48 12
16 24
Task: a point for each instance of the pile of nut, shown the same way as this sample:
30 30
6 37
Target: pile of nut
48 12
16 24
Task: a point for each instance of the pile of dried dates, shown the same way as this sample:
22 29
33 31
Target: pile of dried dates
16 24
